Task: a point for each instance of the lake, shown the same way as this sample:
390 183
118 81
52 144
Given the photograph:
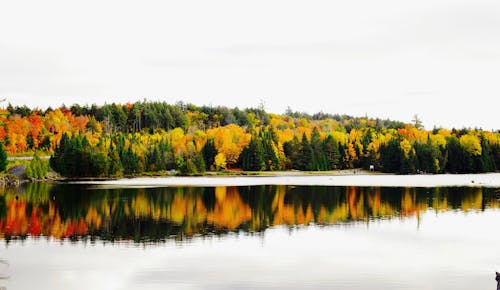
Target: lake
97 236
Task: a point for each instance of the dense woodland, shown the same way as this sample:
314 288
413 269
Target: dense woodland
116 140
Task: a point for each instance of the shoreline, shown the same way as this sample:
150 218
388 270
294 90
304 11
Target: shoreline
18 178
491 180
349 177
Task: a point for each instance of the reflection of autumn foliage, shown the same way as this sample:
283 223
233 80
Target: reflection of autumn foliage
183 212
16 221
230 211
19 223
289 214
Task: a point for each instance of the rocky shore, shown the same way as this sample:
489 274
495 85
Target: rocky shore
16 175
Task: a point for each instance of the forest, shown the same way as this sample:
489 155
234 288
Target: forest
113 140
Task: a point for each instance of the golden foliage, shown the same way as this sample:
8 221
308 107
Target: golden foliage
471 144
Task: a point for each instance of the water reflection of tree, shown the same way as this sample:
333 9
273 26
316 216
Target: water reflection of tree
158 214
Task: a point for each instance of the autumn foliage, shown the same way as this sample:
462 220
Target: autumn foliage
114 139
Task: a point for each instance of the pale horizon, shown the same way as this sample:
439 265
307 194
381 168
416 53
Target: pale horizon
389 59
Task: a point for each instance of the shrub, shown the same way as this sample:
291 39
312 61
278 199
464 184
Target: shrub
37 168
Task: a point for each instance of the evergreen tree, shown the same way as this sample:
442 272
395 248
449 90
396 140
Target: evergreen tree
454 151
3 158
199 162
318 161
190 167
166 155
180 164
343 158
407 163
331 149
291 150
305 154
495 152
86 167
459 160
29 140
486 161
243 159
426 157
154 160
209 152
268 152
390 156
365 141
130 161
56 160
115 165
37 168
252 157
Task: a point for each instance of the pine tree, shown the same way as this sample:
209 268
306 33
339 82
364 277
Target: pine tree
454 152
130 161
486 162
495 152
57 159
407 163
252 157
29 171
268 153
37 168
305 154
154 161
3 158
199 162
166 155
390 156
115 165
318 161
291 150
426 157
209 152
331 149
459 159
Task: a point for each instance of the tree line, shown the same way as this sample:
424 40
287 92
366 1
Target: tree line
116 140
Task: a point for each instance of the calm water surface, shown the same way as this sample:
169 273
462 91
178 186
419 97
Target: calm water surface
85 237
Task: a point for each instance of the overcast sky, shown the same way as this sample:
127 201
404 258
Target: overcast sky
391 59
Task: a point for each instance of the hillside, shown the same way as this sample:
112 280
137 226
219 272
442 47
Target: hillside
118 139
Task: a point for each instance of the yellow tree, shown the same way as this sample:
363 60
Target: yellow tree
229 141
178 140
471 144
220 161
406 146
57 123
